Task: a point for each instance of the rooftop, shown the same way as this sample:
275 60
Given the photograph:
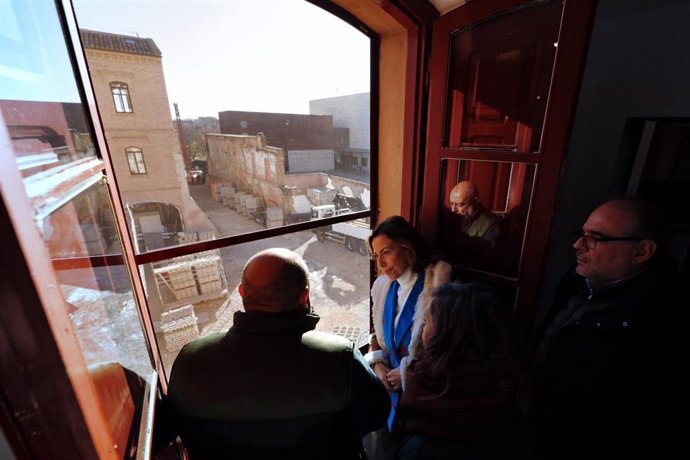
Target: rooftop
121 43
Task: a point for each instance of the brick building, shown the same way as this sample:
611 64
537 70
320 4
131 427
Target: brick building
308 140
128 81
250 165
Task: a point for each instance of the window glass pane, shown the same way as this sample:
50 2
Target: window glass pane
98 292
265 133
39 99
141 167
485 233
119 106
498 89
50 135
132 162
121 97
135 157
196 295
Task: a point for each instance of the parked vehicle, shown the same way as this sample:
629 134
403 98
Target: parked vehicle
352 234
196 176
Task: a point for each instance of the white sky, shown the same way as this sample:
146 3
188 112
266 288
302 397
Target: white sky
249 55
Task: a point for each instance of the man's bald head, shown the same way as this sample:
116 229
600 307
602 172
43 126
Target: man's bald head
465 188
275 280
463 198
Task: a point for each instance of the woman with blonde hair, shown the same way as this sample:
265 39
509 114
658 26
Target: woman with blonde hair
399 295
459 399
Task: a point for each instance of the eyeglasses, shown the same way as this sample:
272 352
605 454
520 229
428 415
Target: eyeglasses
591 240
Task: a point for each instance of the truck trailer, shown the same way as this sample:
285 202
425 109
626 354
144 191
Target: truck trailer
352 234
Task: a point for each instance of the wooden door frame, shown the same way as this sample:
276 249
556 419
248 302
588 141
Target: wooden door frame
568 67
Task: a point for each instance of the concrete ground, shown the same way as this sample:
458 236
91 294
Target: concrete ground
339 278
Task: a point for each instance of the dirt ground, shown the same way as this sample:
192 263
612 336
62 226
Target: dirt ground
339 279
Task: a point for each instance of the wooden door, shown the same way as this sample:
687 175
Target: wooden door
502 88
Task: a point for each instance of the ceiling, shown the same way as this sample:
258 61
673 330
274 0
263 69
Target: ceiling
443 6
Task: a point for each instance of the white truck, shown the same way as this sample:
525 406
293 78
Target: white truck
352 234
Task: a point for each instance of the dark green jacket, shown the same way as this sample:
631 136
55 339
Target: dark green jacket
483 224
271 387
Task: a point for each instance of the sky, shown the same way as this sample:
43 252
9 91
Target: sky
245 55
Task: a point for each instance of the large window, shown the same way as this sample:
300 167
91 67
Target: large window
137 258
135 160
268 146
121 97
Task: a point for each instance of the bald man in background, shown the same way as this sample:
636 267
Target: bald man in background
272 387
477 220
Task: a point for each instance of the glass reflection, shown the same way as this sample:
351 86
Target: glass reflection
51 141
39 100
484 214
49 130
196 295
498 89
97 290
84 226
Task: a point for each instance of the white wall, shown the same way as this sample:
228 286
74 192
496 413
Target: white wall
350 111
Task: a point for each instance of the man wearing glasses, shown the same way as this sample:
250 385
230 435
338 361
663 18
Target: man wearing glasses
607 361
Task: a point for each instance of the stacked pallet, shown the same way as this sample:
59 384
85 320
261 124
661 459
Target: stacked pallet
217 189
179 327
191 278
274 217
238 201
208 275
321 195
206 235
250 204
192 237
227 194
180 279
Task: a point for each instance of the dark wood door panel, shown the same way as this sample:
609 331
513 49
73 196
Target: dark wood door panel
499 75
502 85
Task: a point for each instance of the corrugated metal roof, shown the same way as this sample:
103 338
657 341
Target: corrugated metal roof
121 43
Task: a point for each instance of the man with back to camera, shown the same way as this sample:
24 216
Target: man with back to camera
608 360
477 220
272 387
